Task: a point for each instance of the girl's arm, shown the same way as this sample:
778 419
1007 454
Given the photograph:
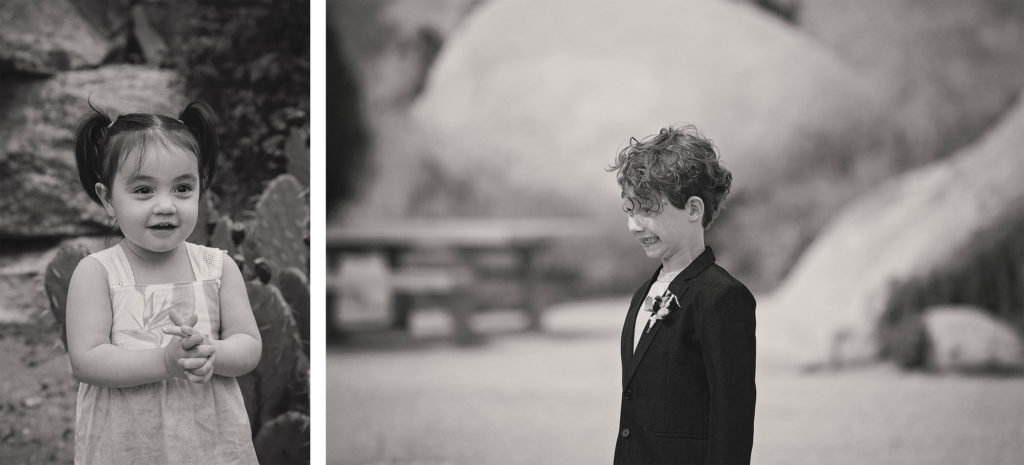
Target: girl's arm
239 350
94 360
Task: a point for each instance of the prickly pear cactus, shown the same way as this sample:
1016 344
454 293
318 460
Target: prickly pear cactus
221 237
57 279
296 148
277 230
285 439
268 388
294 287
204 223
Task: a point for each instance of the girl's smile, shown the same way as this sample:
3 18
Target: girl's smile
155 197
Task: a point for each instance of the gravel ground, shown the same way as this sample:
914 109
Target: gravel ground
553 398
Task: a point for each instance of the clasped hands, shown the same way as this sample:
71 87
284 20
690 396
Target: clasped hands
189 355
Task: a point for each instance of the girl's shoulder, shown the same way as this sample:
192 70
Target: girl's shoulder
114 263
207 262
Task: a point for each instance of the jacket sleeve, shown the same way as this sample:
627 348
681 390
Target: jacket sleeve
729 356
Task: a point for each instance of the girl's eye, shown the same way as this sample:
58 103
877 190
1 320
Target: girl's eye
184 188
143 190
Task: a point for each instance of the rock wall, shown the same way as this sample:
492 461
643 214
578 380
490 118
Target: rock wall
830 306
41 195
56 56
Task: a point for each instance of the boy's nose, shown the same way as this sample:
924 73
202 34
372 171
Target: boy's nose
633 225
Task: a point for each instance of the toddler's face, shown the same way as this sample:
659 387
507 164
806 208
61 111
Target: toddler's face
157 207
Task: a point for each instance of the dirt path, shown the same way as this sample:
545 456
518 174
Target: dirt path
37 397
553 398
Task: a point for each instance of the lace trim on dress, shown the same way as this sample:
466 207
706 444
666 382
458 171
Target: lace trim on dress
115 263
207 262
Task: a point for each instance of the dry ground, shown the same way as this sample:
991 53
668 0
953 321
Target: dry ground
553 398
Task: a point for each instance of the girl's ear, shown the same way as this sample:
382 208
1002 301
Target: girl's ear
695 208
104 195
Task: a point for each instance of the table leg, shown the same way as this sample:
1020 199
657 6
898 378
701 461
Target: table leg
529 278
332 303
401 304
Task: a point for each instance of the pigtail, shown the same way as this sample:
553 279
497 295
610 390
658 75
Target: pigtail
90 141
201 121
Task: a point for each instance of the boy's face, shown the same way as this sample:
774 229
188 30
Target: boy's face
158 206
664 233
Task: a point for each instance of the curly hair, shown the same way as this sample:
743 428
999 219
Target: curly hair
675 163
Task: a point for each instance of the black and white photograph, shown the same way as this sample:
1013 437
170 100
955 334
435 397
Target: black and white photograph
154 232
693 231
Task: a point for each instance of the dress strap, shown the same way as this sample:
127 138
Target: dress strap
114 261
207 262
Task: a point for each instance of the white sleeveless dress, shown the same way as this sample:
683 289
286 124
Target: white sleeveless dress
172 421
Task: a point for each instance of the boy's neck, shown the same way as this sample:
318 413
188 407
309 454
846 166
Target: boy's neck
681 259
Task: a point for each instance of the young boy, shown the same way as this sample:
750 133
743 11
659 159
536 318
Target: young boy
688 345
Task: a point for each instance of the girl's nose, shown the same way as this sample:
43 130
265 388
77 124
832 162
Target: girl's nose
164 206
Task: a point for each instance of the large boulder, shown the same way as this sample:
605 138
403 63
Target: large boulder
523 112
830 307
950 68
41 195
965 338
45 37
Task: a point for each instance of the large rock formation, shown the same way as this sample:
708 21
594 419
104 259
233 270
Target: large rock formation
523 113
47 37
950 69
830 306
41 195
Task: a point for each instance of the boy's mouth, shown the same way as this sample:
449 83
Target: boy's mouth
648 240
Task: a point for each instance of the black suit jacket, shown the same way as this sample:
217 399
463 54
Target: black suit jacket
688 391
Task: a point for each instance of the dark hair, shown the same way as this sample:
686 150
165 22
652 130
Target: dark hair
676 163
102 145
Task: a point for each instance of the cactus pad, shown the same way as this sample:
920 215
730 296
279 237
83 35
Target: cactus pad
284 439
294 286
271 381
221 237
296 149
58 278
278 226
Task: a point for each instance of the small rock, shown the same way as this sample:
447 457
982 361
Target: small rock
32 402
966 338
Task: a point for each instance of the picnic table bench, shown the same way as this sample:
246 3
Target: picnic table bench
450 283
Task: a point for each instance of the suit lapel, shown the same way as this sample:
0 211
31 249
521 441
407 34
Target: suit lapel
628 326
678 287
648 336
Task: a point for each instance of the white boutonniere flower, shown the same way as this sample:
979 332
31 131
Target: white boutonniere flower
660 307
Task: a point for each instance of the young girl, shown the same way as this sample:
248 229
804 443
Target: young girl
157 328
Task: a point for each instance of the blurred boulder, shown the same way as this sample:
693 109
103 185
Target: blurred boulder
41 195
964 338
522 113
950 68
831 305
46 37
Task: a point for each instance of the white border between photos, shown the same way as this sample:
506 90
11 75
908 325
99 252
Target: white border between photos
317 205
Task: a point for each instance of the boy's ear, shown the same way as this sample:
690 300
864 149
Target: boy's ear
104 195
695 208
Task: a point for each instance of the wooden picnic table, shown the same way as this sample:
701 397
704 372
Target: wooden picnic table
524 238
